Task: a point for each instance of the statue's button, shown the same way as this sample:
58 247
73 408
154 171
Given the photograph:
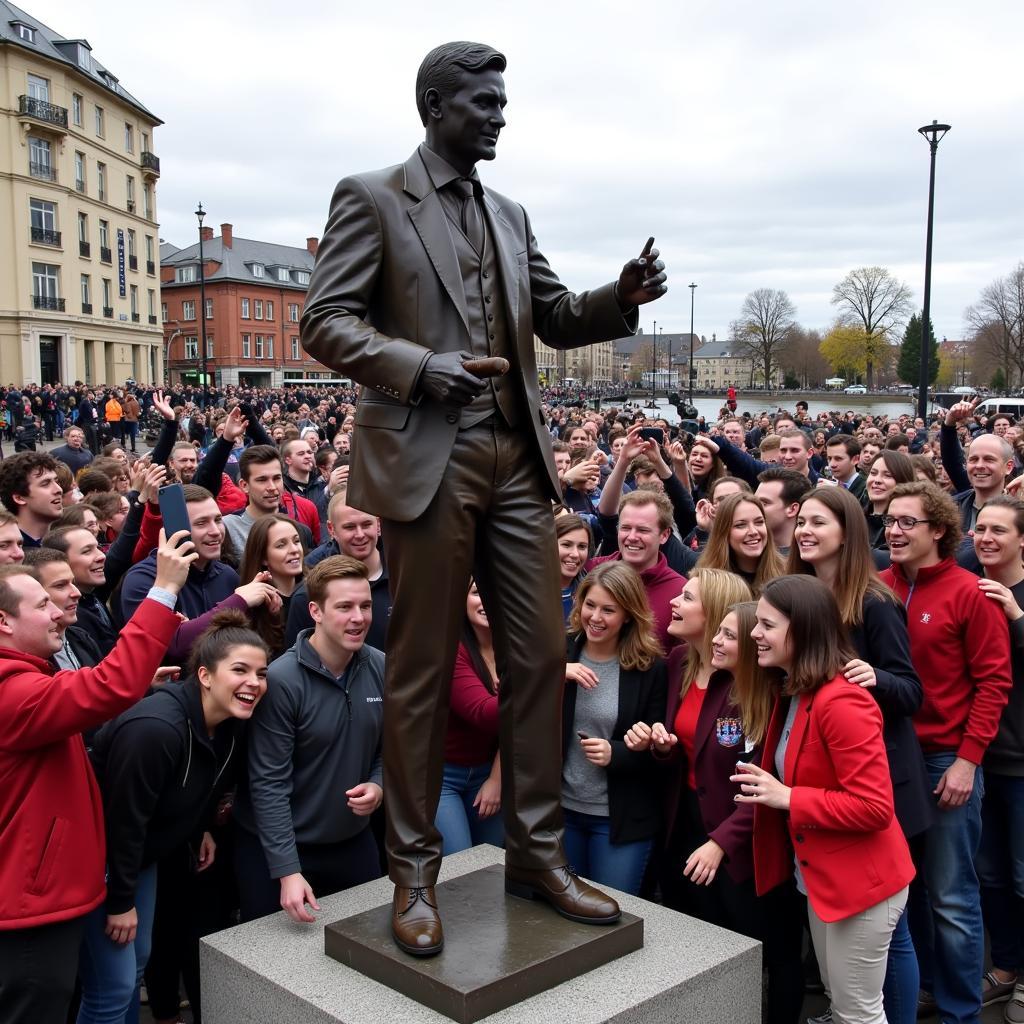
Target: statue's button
452 418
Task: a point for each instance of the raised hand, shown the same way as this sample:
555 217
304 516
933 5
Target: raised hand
642 280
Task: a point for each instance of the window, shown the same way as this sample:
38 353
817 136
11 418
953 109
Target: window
45 278
209 347
108 294
246 347
293 312
163 312
191 348
80 171
43 217
39 163
82 54
209 309
151 303
149 248
188 309
270 348
101 181
257 269
129 188
183 275
131 243
257 309
295 348
259 346
284 274
147 202
105 235
270 309
39 88
99 121
245 309
145 142
134 299
76 109
302 276
129 138
25 32
86 290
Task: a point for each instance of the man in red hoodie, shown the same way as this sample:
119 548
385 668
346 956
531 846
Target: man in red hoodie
52 851
960 647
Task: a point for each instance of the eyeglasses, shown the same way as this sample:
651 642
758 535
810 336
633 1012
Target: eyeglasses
904 522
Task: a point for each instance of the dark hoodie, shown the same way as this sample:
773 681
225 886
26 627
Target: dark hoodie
161 774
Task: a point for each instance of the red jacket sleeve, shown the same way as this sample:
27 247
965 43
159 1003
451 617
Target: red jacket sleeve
149 533
470 699
37 708
847 725
987 646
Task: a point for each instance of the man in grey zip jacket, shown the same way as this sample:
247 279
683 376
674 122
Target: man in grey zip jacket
315 769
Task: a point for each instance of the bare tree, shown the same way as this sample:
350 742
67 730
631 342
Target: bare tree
997 319
766 319
803 358
872 299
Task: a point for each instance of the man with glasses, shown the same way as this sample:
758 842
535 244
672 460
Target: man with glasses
960 647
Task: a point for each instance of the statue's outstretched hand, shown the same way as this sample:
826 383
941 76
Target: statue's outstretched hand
642 280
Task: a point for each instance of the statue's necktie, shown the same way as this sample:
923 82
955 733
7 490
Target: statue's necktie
472 221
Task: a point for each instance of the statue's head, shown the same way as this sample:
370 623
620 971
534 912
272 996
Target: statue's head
460 94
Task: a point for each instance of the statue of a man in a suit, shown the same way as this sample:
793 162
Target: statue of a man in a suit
420 269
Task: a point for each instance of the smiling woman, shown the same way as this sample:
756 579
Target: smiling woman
273 554
741 542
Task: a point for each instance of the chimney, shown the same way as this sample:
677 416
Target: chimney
206 234
225 235
312 244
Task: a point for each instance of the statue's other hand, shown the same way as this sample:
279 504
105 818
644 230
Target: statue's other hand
446 381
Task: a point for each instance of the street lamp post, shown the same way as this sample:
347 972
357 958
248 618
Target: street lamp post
689 369
200 214
934 133
654 366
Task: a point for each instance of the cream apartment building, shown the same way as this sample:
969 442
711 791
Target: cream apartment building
591 364
79 244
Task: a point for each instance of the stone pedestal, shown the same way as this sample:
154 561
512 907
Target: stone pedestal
275 971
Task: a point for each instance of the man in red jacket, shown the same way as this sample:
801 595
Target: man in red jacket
961 650
52 851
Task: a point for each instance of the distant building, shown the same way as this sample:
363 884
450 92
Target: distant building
721 364
79 285
592 364
636 348
255 293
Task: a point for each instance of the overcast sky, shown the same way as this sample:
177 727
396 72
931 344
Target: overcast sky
763 144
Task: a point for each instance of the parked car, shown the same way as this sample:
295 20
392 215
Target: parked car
855 389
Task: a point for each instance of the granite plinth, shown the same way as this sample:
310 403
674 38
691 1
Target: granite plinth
498 951
274 971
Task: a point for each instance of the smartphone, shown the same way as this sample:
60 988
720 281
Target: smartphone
173 510
653 434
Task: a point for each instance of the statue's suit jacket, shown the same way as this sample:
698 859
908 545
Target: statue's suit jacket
387 293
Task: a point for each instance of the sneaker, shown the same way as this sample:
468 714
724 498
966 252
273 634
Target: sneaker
926 1005
822 1018
1014 1012
995 991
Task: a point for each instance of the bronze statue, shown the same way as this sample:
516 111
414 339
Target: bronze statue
420 270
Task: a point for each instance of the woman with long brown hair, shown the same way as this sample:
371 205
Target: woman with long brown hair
740 542
822 796
887 469
274 549
611 795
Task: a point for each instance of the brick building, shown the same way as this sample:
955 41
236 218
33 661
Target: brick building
255 292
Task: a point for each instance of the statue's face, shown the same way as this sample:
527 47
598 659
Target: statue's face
472 118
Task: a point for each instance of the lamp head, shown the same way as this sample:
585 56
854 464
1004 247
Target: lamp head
200 213
934 132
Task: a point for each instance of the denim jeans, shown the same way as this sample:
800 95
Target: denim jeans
1000 864
111 973
945 914
902 976
457 819
592 854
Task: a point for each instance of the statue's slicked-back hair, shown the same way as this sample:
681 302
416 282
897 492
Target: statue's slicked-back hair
442 69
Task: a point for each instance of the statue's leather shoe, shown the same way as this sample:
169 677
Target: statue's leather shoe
415 922
565 891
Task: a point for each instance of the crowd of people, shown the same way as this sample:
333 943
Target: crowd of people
792 698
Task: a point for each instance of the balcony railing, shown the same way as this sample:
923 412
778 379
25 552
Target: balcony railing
152 319
151 162
131 205
44 236
108 312
80 185
87 308
104 254
48 302
135 318
42 169
84 249
133 262
150 267
43 111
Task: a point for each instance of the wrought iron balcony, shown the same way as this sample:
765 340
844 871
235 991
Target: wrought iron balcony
152 319
44 236
108 312
87 308
133 262
150 267
80 185
131 205
135 318
48 302
151 162
42 169
84 249
48 113
104 254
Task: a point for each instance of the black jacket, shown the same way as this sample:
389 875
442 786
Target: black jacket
883 642
161 775
635 781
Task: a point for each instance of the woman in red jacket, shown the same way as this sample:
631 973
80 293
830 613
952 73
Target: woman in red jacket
823 804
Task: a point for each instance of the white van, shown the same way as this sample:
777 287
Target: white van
1012 406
